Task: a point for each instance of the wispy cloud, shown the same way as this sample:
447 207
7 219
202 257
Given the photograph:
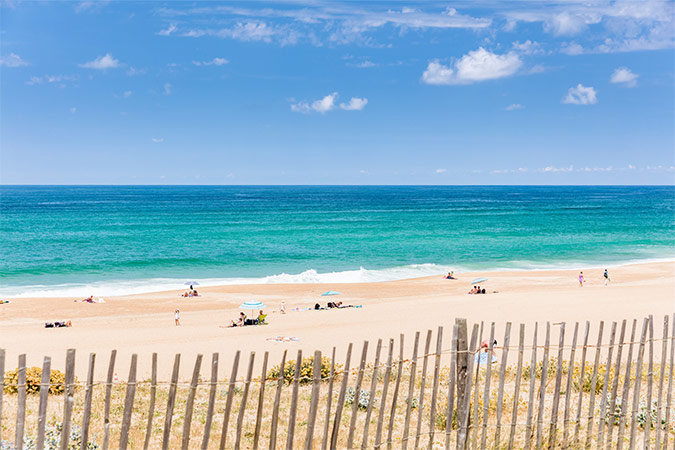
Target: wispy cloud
554 169
355 104
167 88
624 77
90 5
73 110
214 62
12 60
170 29
58 80
157 140
132 71
329 103
581 95
127 94
475 66
102 63
441 171
514 106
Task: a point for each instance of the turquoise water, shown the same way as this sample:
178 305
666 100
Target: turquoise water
96 240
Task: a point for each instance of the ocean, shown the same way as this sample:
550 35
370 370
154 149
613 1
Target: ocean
109 240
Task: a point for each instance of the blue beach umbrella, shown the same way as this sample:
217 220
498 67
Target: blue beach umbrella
479 280
191 283
330 293
252 305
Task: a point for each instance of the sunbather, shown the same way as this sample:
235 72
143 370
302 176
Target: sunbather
62 324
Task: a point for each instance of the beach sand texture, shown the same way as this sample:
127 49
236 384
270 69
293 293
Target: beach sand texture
144 324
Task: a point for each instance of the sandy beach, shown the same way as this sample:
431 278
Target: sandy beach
144 324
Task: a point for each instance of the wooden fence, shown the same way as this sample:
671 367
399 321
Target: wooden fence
563 388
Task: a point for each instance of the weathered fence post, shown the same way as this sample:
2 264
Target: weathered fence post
659 407
392 414
341 399
650 379
671 364
371 398
230 396
411 387
128 402
86 413
44 398
261 401
329 401
516 390
530 401
450 409
383 402
568 386
486 392
553 430
473 420
638 378
151 406
464 409
68 394
170 403
615 386
244 398
316 392
500 393
294 402
434 392
594 384
21 402
605 387
626 390
357 394
189 404
212 401
542 386
108 393
277 399
420 403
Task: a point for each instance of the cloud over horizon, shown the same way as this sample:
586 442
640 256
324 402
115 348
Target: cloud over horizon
475 66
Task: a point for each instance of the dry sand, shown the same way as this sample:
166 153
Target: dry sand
145 323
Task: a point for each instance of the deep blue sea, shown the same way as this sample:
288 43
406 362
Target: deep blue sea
105 240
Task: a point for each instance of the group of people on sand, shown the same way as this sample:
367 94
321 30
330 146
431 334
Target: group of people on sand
332 305
191 293
243 320
477 290
605 276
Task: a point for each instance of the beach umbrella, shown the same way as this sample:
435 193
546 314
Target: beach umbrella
330 293
479 280
252 305
191 283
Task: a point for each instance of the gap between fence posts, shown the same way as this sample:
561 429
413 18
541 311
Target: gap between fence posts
516 392
464 410
128 402
395 395
626 390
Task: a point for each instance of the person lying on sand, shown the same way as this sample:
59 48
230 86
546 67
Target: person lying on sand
89 299
62 324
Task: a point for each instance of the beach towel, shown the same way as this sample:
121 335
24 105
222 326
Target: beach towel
283 339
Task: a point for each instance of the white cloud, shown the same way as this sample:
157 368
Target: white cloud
102 63
355 104
557 169
441 171
171 28
514 106
328 103
127 94
13 60
364 172
133 71
528 48
157 140
581 95
477 65
167 88
363 65
572 48
624 76
214 62
566 23
58 80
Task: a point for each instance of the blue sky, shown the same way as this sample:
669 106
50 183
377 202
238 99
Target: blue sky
337 93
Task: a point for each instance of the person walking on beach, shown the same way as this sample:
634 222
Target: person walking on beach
581 279
606 275
282 310
177 317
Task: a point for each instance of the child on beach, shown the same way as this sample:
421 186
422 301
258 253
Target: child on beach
177 317
581 279
282 309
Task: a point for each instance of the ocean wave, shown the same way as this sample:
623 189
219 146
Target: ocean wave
311 276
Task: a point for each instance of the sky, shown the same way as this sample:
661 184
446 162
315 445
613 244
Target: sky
303 92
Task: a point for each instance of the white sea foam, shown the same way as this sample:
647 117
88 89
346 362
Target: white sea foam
362 275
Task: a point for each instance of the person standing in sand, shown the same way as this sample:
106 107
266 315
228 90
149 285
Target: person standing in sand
177 317
282 309
606 276
581 279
